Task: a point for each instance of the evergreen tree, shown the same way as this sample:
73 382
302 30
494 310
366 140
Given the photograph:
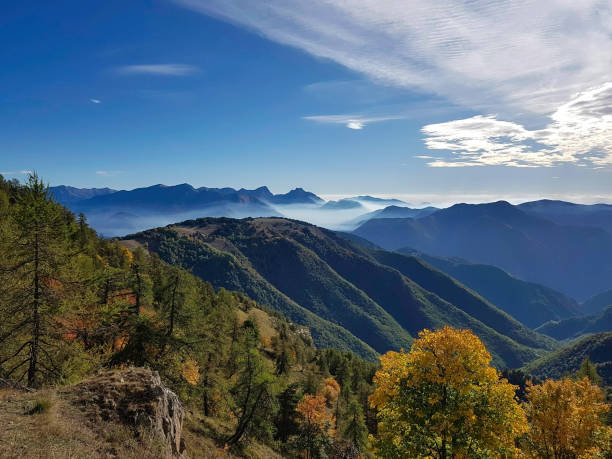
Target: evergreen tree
587 369
34 280
253 394
355 429
286 419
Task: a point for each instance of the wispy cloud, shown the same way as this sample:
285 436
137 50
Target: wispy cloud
158 69
13 173
489 55
95 101
579 132
356 122
104 173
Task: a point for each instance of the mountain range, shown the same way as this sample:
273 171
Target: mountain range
574 260
571 214
554 243
113 212
350 296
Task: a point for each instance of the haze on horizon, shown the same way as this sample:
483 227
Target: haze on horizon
500 100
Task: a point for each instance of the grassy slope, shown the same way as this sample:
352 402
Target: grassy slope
597 347
300 269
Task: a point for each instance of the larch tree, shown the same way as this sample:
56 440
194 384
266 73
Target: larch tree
33 286
315 426
445 400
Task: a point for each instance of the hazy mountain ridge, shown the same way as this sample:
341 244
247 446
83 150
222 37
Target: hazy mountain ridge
573 260
578 326
571 214
530 303
69 195
469 301
597 302
120 212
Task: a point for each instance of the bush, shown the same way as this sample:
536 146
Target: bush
40 406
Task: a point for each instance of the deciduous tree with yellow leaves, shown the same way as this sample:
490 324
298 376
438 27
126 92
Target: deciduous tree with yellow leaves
443 399
565 420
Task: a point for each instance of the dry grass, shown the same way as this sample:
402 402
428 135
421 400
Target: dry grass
61 431
199 432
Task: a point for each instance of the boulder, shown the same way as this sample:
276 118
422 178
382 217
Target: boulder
136 398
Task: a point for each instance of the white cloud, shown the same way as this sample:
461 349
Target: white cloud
158 69
579 132
356 122
23 172
491 55
109 173
95 101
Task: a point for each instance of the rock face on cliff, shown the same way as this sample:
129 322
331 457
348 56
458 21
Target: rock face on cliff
136 398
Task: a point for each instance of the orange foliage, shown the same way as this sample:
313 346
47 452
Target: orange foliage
313 410
53 284
119 343
331 390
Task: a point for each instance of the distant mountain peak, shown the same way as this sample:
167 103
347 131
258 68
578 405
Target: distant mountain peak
297 196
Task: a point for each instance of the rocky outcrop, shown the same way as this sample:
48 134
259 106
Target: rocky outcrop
136 398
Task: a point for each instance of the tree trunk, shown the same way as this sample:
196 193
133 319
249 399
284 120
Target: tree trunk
173 306
35 318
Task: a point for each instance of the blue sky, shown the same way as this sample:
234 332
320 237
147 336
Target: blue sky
480 100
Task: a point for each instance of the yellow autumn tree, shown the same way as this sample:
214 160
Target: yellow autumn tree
565 420
443 399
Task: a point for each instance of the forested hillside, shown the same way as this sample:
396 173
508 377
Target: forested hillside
294 266
597 348
72 304
528 302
